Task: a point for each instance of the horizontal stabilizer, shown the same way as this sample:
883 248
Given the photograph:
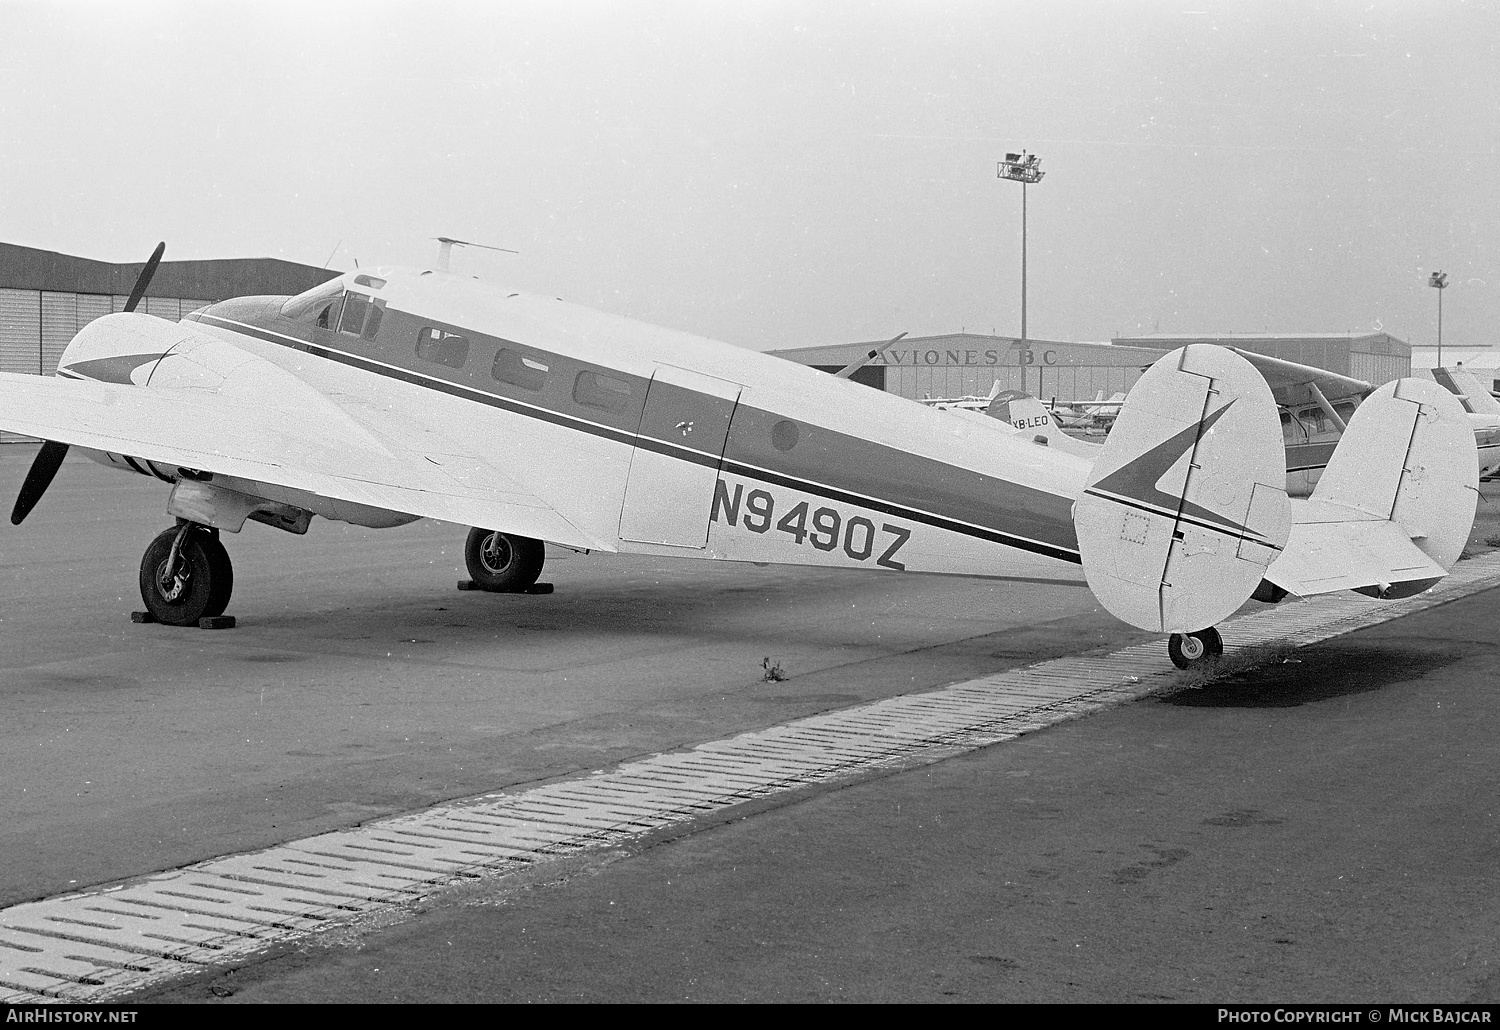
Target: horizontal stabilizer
1321 557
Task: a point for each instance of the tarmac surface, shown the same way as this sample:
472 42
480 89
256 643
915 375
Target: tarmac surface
1326 830
1321 830
360 682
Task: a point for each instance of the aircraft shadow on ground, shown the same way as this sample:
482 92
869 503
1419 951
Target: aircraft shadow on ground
1319 673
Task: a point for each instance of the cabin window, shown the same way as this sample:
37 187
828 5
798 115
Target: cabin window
373 282
513 367
442 347
595 390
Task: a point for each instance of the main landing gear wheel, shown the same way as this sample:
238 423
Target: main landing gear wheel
503 563
1194 650
186 575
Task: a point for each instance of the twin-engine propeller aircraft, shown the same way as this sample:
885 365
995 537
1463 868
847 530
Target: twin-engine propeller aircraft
385 396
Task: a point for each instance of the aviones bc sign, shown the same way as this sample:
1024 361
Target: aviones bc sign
970 356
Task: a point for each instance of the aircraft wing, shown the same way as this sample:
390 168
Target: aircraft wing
1289 381
226 435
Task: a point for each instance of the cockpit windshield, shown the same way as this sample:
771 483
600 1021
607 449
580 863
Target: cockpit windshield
316 304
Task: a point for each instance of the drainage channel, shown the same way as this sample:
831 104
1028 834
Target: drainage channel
101 944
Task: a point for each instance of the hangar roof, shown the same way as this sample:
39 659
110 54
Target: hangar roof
27 268
1360 343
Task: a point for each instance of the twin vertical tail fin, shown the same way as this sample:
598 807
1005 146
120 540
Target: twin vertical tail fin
1186 505
1393 510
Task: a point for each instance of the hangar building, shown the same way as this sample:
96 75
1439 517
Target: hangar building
968 364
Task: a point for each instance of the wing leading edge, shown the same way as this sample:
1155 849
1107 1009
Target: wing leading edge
228 436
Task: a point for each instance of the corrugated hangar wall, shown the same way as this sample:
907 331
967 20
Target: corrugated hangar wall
46 297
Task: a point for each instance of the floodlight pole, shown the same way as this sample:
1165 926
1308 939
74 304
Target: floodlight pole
1026 169
1439 280
1023 264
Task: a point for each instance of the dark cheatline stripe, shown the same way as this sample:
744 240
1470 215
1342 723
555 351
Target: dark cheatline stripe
971 499
1225 529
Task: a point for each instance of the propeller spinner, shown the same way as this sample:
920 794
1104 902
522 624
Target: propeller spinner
50 458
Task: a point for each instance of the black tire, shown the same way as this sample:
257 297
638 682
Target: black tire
501 562
192 592
1195 650
222 578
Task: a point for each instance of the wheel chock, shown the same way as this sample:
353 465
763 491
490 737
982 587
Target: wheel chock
535 588
216 622
142 617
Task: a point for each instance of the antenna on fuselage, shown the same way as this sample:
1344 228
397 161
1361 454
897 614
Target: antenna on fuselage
445 250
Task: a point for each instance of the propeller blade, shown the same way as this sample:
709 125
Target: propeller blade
43 468
144 279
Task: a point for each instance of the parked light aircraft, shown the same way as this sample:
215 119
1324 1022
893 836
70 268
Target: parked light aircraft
1098 414
1483 409
1316 405
971 402
385 396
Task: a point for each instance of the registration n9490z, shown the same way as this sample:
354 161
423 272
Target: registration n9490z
822 527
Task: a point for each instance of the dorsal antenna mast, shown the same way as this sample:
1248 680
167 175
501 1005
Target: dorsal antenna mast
445 250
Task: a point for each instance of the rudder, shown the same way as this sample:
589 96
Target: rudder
1186 504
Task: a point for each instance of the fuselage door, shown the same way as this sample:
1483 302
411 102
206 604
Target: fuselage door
676 461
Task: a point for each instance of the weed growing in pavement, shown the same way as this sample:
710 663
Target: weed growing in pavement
773 670
1241 660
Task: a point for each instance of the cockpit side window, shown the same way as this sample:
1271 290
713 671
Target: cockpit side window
372 323
356 307
441 347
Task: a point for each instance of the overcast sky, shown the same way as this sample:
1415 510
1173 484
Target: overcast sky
794 173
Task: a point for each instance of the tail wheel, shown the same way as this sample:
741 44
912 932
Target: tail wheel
194 583
501 562
1194 650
